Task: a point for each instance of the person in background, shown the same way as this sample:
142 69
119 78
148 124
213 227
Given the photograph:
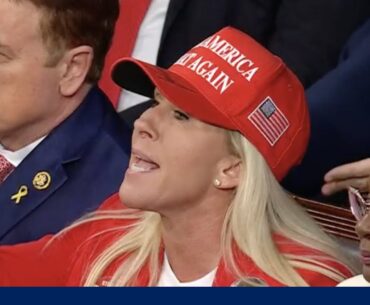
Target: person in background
355 177
202 201
307 34
339 107
360 206
355 174
63 148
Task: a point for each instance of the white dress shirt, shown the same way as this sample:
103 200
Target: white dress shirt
146 46
16 157
356 281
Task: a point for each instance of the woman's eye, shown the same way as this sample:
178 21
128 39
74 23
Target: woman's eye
180 116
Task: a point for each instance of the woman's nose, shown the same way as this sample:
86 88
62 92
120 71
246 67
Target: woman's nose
146 126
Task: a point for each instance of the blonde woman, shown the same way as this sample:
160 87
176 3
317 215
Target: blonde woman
202 202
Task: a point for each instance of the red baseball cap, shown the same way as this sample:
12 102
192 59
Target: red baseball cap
230 80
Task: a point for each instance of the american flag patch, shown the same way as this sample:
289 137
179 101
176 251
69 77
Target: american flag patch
269 120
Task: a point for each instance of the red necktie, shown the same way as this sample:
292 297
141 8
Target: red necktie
132 13
5 168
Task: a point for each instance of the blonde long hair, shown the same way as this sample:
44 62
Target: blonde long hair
260 209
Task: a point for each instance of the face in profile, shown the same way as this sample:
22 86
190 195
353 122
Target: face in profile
28 88
363 231
175 159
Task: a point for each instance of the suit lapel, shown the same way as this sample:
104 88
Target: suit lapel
42 173
28 187
174 8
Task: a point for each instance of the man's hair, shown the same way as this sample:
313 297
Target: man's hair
67 24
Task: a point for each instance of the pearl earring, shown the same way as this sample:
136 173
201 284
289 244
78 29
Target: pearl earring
217 183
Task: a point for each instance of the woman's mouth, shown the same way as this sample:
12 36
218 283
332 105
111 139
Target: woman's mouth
141 163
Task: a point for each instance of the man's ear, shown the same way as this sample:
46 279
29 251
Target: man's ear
229 171
74 67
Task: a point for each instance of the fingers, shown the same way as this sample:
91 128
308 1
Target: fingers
362 184
356 174
350 170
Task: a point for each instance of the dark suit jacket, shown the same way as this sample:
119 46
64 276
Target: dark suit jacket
86 157
307 34
339 106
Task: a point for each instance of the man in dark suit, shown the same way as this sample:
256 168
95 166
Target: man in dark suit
339 108
307 34
63 148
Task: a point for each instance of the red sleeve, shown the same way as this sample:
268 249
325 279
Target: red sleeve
29 264
317 279
313 278
48 261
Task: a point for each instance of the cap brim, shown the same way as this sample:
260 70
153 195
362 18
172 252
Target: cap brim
142 78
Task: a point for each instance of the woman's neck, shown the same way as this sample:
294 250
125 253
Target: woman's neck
192 241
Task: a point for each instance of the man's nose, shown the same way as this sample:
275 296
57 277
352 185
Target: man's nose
363 226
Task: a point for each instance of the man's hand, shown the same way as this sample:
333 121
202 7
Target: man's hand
356 174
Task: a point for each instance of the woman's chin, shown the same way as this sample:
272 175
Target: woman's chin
127 196
132 199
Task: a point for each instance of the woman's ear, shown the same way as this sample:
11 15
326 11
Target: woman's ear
229 171
75 66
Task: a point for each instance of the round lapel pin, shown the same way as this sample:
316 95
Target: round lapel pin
41 181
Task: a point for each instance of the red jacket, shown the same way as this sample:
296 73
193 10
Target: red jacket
65 260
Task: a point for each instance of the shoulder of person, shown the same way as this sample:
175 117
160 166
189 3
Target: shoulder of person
356 281
316 259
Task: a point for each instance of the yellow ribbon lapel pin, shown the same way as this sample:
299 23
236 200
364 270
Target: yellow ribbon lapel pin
22 192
